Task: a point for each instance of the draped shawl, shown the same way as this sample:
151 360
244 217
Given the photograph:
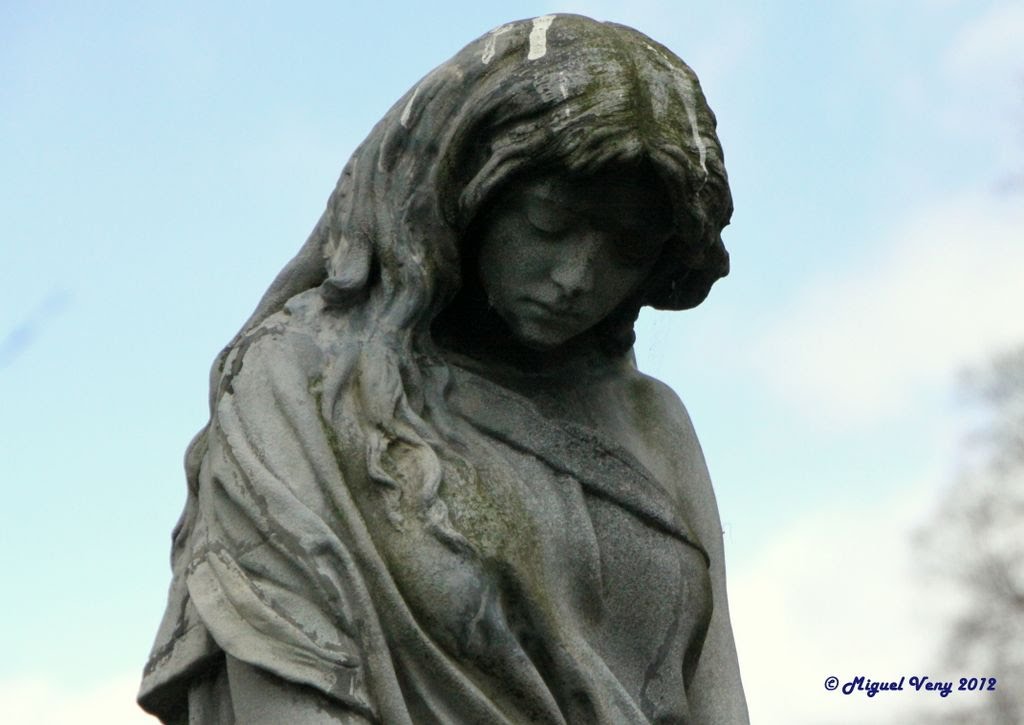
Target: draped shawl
587 599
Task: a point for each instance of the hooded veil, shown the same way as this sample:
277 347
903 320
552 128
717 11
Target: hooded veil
317 541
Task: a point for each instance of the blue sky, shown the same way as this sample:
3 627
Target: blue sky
161 165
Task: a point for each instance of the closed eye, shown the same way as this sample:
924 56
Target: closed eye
547 217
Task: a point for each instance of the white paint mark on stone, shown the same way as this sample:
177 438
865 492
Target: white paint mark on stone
697 140
492 41
407 111
687 93
539 37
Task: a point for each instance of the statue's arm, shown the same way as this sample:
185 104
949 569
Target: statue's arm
265 470
261 698
716 693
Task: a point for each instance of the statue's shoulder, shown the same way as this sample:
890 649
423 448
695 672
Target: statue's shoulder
658 404
288 345
668 436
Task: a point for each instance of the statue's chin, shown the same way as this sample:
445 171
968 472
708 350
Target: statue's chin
539 337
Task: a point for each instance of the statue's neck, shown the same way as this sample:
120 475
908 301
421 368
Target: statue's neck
471 331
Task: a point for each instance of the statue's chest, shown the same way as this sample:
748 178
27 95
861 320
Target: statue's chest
576 562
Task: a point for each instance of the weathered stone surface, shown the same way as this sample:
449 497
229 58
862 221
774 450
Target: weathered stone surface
434 486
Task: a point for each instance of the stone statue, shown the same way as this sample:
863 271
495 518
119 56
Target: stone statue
434 487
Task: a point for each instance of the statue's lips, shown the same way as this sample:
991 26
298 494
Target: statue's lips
556 314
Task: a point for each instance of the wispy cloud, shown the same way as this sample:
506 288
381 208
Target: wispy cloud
944 290
24 333
990 45
838 594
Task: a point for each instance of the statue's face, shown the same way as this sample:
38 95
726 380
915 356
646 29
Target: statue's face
558 255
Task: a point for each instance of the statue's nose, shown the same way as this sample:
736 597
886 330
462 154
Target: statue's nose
575 271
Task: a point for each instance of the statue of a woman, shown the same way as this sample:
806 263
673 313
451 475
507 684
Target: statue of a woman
434 487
